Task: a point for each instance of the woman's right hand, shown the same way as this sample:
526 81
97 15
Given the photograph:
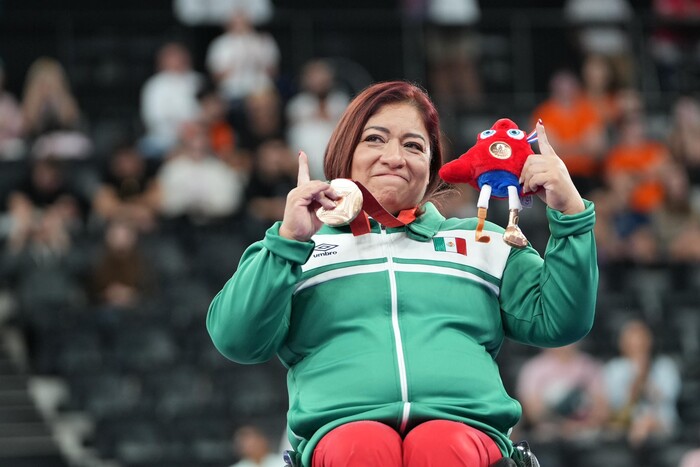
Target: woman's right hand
300 221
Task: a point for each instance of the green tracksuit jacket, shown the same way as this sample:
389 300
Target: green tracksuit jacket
402 325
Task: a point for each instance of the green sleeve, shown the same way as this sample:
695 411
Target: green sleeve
249 318
551 302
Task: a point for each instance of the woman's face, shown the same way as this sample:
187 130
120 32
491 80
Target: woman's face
596 74
635 340
393 157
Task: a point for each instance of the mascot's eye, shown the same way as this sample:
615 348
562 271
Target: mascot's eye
516 134
487 134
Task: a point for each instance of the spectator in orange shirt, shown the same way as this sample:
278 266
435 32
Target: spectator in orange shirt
636 170
574 125
222 136
634 167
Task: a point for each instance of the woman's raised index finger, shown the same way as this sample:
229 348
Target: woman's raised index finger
303 176
545 147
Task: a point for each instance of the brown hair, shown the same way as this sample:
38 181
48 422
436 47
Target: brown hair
46 80
347 134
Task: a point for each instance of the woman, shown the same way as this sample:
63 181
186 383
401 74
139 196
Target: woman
643 387
51 116
48 102
390 343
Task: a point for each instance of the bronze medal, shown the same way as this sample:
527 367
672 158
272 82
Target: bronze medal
347 207
500 150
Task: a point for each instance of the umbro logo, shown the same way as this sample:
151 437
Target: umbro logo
325 249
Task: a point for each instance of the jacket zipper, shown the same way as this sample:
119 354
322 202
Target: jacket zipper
397 331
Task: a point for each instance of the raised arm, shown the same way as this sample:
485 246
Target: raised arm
551 302
248 319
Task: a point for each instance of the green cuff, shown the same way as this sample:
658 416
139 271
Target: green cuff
291 250
562 225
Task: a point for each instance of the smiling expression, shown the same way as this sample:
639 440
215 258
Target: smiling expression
393 157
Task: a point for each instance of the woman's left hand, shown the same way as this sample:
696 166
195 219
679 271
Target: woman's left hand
546 174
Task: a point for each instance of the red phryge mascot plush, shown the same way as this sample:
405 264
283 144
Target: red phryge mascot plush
493 167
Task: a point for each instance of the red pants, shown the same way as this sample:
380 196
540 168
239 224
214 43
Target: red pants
437 443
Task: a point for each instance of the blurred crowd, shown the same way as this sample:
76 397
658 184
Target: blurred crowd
219 144
617 412
216 155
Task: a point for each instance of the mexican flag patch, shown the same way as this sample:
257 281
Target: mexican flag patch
451 244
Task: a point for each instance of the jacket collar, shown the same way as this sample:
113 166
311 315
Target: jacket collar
426 225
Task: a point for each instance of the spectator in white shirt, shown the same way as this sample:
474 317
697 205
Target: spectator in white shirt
195 184
168 99
643 387
211 12
601 27
253 447
314 112
242 60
